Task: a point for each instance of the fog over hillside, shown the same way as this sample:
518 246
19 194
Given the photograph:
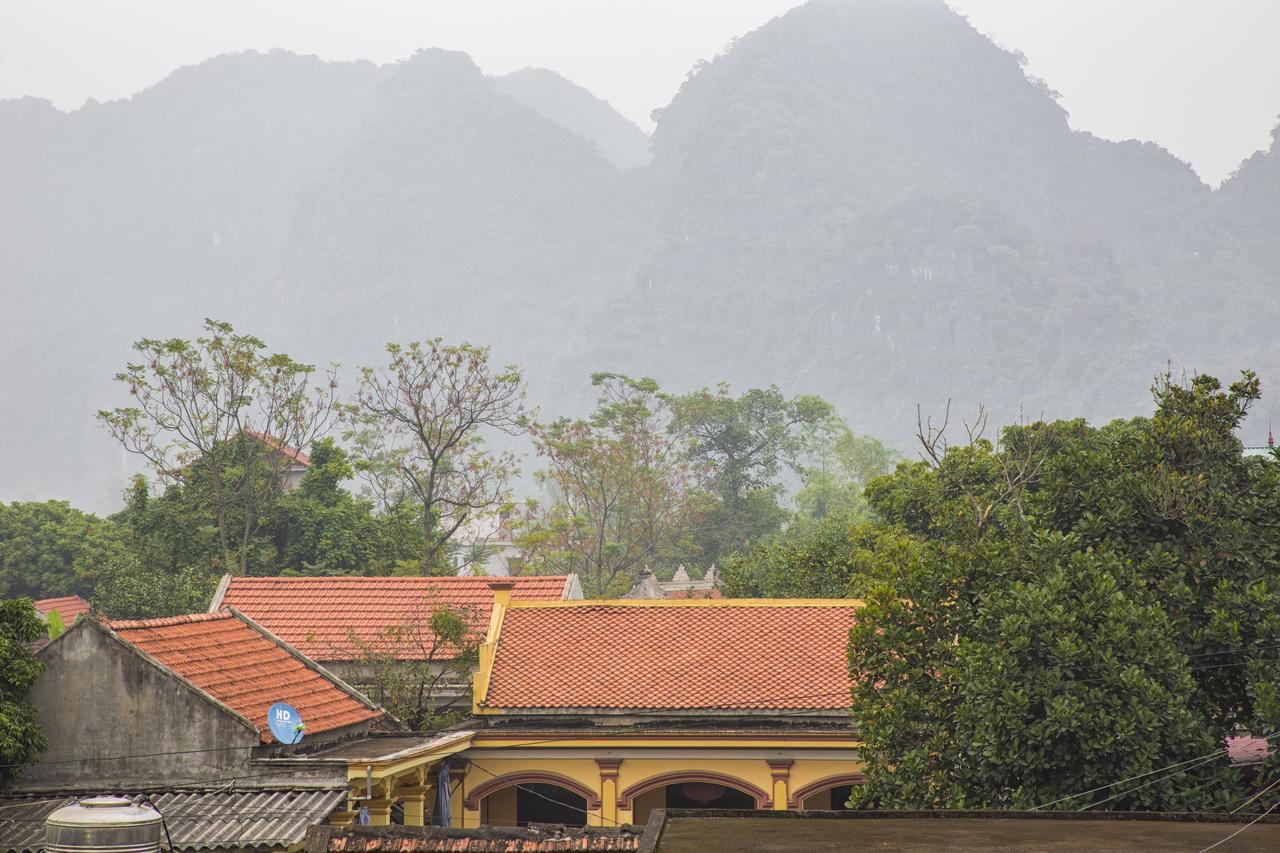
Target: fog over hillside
866 199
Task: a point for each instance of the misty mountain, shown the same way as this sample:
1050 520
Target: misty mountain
578 111
865 199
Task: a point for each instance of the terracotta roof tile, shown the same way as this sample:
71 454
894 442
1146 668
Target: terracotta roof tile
233 661
68 607
674 655
320 616
285 450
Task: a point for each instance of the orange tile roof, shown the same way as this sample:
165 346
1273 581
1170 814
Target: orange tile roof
68 607
285 450
673 655
235 662
320 616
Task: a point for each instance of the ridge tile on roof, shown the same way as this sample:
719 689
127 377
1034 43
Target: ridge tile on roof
235 662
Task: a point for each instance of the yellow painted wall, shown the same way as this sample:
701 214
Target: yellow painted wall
499 808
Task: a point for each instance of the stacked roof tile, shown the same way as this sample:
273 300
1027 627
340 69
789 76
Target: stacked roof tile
673 655
341 618
235 662
68 607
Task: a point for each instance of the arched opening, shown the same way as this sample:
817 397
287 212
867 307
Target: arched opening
533 802
522 799
829 794
691 791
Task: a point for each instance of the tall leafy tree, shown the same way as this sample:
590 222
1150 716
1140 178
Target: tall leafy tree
623 491
322 528
50 549
223 411
21 741
746 442
420 432
1085 604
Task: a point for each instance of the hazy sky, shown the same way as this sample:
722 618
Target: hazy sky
1201 77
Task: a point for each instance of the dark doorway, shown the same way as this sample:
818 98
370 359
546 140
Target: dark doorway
706 795
537 802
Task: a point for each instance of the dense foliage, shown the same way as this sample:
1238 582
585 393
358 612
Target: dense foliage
1071 607
51 549
20 739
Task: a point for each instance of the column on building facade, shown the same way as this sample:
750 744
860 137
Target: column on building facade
780 771
415 798
609 790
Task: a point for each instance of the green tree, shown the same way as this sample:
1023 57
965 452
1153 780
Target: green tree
321 528
50 549
745 442
21 741
222 411
420 669
130 589
835 474
1107 593
623 491
824 560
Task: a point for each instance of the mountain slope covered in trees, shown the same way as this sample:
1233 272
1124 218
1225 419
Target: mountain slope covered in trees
863 199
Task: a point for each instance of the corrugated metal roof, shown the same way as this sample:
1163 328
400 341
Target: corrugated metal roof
250 820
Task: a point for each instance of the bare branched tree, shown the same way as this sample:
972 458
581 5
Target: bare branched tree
419 425
223 410
1016 465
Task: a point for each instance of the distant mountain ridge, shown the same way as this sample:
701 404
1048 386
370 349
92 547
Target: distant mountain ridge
865 199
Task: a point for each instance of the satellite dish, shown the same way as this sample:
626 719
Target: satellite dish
285 723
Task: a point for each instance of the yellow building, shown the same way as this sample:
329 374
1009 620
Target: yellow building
598 712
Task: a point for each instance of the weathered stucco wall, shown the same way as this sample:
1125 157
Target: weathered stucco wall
98 701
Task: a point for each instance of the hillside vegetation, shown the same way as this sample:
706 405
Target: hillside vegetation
863 199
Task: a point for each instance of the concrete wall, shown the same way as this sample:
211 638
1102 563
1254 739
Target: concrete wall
98 700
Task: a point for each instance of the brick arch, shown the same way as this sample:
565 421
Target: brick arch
478 793
798 796
628 795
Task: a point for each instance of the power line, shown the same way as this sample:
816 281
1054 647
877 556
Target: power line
1175 766
529 790
1242 829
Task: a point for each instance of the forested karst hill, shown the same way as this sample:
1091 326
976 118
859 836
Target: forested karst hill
863 198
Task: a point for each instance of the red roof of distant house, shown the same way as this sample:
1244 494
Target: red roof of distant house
1245 749
235 662
68 607
661 654
335 618
279 446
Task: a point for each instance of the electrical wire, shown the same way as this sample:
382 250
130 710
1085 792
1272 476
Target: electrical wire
1214 754
1220 842
1211 757
544 796
1256 796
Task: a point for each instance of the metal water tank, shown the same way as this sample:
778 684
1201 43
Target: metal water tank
103 825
